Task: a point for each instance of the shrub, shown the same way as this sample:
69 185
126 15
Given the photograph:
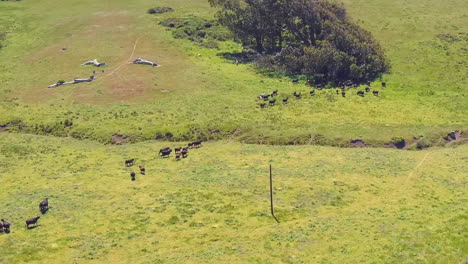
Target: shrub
159 10
202 31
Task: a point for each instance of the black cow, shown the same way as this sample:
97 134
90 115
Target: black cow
263 97
295 80
190 145
177 150
274 93
129 162
312 93
272 102
197 144
44 205
185 152
1 227
360 93
142 170
6 226
32 221
384 84
262 105
337 91
285 100
177 157
165 152
367 89
376 93
297 95
133 175
343 93
368 83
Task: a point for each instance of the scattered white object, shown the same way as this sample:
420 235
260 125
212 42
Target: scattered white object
142 61
95 63
90 79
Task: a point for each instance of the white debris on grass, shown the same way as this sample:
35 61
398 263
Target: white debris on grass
95 63
90 79
143 61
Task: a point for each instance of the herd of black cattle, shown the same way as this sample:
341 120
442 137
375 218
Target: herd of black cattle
344 87
30 223
180 153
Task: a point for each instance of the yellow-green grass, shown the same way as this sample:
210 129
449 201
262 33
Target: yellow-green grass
194 96
334 205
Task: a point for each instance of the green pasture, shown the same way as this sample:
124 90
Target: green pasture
335 205
196 93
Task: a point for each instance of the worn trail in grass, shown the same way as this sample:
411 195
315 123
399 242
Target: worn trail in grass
335 205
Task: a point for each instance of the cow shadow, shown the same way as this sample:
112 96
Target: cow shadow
32 227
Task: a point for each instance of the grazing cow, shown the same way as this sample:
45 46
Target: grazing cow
129 162
337 91
285 100
343 93
190 145
6 226
384 84
44 205
185 152
295 80
368 83
133 175
197 144
165 152
177 150
275 92
312 93
297 95
262 105
360 93
32 221
272 102
319 86
263 97
1 227
367 89
376 93
177 157
142 170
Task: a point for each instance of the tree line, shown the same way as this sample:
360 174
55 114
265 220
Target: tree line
304 37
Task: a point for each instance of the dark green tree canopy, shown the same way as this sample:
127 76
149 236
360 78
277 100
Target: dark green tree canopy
309 37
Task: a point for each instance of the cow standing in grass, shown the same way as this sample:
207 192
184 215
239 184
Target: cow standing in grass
197 144
165 152
185 152
6 226
133 175
44 205
32 221
142 170
129 162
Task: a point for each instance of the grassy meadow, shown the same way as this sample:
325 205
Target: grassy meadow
335 205
198 94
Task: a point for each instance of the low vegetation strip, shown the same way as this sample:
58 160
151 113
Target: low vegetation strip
213 206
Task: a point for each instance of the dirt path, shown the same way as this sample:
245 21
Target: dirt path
126 62
411 174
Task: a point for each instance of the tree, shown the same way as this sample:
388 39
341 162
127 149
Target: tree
326 43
